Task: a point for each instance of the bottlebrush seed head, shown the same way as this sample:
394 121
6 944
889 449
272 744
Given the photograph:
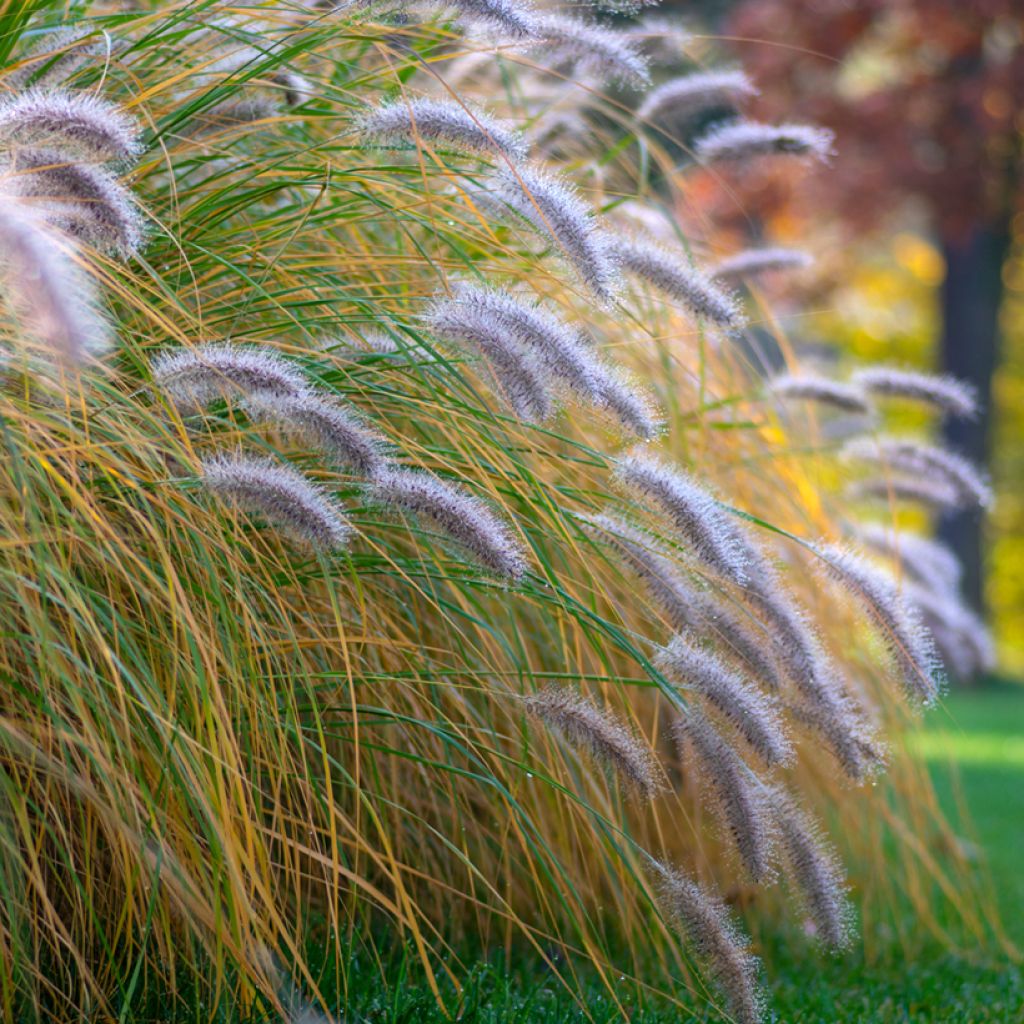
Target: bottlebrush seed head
464 519
551 204
809 387
628 403
694 513
441 121
335 430
703 918
681 98
602 52
514 18
281 495
195 377
47 291
596 730
737 792
948 394
739 141
752 262
742 705
929 562
670 272
77 125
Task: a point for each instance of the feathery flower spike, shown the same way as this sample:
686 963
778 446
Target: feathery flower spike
737 792
810 387
815 869
661 39
596 730
671 273
739 141
962 637
925 461
194 377
336 431
515 18
82 199
906 638
704 920
950 395
52 59
595 50
551 204
693 512
465 519
930 562
519 374
281 495
751 262
442 121
935 493
78 125
746 709
632 406
46 289
683 97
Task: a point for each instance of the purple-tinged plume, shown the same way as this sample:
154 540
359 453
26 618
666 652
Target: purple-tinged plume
739 141
671 272
441 121
703 918
603 735
195 377
950 395
930 562
464 519
281 495
742 705
752 262
77 125
595 50
811 387
681 98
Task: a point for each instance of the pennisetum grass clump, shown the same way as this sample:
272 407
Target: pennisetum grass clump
693 512
748 263
464 519
688 95
748 711
441 121
281 495
601 734
602 52
672 273
812 387
703 918
948 394
742 141
907 640
194 377
738 793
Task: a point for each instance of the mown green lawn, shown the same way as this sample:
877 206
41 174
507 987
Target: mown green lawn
983 733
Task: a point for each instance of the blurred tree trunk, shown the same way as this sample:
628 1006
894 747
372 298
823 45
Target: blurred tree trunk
971 298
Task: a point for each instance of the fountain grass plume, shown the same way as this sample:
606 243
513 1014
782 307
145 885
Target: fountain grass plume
53 58
751 262
663 40
608 54
695 514
518 372
84 200
596 730
552 205
466 520
47 290
961 635
704 920
688 95
738 796
338 432
194 377
933 493
628 402
948 394
905 636
811 387
78 125
740 141
281 495
670 272
748 711
444 121
930 562
925 462
815 869
516 19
